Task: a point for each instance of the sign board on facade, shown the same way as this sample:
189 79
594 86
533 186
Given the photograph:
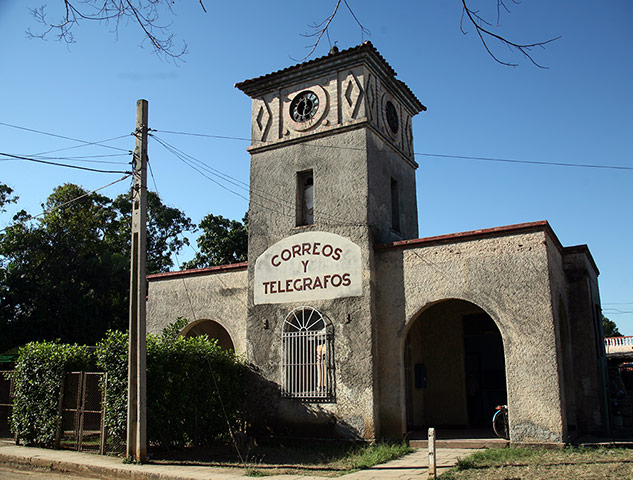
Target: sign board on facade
308 266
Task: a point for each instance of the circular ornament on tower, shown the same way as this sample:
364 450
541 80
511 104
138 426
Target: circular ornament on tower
390 116
306 108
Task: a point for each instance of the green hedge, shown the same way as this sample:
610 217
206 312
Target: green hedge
38 378
193 388
112 358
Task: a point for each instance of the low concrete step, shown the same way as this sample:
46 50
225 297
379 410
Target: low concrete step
463 443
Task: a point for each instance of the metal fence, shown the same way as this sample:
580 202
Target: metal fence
82 412
6 401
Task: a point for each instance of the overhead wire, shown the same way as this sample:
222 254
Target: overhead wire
98 143
57 164
84 142
527 162
213 171
426 154
256 197
87 158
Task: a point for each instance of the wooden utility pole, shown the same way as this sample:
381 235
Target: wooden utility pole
136 395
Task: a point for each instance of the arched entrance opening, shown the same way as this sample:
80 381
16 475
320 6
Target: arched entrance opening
454 368
212 329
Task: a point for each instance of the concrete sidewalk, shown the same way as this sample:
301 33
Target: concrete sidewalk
412 466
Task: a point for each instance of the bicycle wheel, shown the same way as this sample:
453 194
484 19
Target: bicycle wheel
500 424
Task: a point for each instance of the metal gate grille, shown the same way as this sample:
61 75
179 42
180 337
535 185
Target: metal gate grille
307 366
6 401
82 411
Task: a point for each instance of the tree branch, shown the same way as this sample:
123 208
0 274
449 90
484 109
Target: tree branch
144 13
484 33
321 29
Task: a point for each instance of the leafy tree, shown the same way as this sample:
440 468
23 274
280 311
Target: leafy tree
5 197
223 241
66 275
609 328
62 280
164 228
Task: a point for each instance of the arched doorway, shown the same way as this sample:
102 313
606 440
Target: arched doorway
454 367
212 329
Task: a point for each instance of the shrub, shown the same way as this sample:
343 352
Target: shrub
38 379
193 388
112 359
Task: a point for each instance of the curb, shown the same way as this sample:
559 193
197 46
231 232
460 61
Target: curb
114 471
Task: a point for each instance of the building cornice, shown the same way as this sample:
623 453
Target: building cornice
541 225
198 271
363 53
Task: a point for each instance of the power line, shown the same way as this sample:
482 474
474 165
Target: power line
280 206
98 143
221 137
62 136
28 159
84 159
528 162
438 155
87 158
181 158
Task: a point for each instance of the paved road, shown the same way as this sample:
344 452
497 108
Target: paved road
7 473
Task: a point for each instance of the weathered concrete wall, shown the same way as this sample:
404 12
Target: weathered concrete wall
340 186
355 138
507 276
386 163
209 294
588 355
558 292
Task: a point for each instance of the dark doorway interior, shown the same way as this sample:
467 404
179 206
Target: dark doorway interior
485 369
455 368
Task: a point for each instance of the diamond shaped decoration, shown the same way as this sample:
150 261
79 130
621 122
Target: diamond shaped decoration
348 93
263 120
353 95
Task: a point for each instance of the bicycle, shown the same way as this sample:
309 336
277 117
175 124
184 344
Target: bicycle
500 422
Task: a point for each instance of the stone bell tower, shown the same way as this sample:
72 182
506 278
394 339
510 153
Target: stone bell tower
332 175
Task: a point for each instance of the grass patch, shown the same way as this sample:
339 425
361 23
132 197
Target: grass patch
542 464
374 454
295 457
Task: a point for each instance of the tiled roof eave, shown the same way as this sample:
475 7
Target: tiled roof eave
256 87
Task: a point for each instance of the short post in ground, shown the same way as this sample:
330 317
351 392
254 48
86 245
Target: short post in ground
432 457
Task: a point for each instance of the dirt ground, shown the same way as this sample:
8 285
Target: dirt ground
572 464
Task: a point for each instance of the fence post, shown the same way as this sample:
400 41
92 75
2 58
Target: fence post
83 381
432 456
104 431
60 410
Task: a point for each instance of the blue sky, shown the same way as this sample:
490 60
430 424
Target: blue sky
579 110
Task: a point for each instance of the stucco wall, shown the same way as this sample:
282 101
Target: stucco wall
211 295
507 276
340 186
587 346
386 163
